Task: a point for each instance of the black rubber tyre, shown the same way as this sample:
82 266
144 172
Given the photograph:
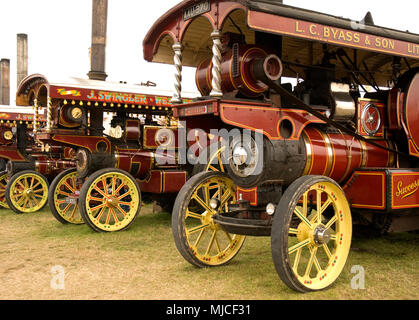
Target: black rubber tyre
132 200
53 199
189 251
336 219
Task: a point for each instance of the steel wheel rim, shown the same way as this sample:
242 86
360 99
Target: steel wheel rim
318 244
207 242
29 193
65 189
113 207
3 183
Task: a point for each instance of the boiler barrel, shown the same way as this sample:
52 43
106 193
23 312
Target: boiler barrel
336 155
318 152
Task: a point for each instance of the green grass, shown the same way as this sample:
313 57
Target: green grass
143 263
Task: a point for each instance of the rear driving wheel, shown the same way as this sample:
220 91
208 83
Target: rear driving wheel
27 192
110 200
63 197
311 234
198 238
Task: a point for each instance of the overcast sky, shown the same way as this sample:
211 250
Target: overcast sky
59 34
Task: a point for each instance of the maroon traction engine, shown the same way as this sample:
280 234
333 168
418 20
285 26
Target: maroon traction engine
16 124
112 132
303 162
28 169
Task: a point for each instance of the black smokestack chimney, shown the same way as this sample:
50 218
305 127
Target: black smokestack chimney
5 82
98 48
22 57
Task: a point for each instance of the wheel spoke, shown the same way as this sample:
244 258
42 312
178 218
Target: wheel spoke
225 198
100 213
121 210
327 251
114 215
37 184
66 208
201 202
69 187
119 187
192 215
325 205
311 261
297 260
211 242
198 239
113 185
300 215
300 245
63 193
124 195
100 191
220 162
98 207
90 198
105 185
292 231
196 229
319 205
331 222
73 213
316 261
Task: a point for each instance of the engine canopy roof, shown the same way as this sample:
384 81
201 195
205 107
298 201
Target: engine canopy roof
304 34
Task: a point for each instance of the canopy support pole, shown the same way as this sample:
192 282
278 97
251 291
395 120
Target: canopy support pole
216 64
177 95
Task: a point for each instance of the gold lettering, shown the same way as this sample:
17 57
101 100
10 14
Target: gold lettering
349 36
297 27
326 32
391 44
404 192
342 36
313 29
409 48
357 38
367 41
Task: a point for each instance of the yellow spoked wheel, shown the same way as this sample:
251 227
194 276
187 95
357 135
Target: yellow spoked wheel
27 192
311 234
110 200
63 197
215 162
198 238
4 178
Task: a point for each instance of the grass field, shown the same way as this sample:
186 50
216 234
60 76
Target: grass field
143 263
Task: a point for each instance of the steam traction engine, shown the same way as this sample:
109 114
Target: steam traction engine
16 125
111 132
302 163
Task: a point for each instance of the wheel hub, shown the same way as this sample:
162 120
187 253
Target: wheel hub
112 202
207 219
29 193
321 235
318 235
